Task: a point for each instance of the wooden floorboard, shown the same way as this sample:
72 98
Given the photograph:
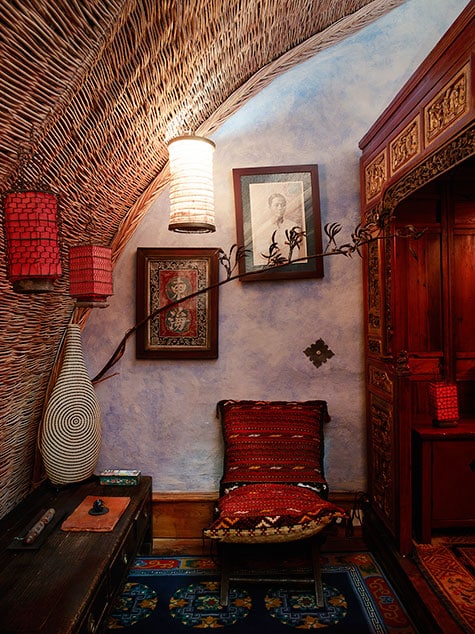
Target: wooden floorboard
424 606
445 622
339 538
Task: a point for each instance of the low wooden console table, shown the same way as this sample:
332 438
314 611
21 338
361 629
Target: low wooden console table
67 581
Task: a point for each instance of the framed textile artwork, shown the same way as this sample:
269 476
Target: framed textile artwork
177 319
278 221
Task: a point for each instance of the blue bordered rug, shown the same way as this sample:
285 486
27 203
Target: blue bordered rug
179 594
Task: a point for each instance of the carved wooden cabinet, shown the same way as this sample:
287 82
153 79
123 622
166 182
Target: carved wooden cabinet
418 168
444 478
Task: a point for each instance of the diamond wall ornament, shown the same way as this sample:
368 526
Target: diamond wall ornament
319 353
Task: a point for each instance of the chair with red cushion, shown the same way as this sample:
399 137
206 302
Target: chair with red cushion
273 489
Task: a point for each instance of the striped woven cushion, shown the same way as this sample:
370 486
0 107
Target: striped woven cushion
273 441
271 512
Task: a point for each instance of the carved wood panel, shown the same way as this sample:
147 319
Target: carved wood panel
382 458
427 130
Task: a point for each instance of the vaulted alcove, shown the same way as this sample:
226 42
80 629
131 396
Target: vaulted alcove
417 169
434 287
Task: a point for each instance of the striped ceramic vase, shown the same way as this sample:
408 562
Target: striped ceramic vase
70 437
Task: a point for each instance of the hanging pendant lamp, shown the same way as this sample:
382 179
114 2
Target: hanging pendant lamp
31 232
191 185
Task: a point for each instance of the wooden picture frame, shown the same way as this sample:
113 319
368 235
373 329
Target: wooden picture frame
180 328
256 191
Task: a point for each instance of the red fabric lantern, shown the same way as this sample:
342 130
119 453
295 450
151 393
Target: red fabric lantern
90 273
31 232
443 404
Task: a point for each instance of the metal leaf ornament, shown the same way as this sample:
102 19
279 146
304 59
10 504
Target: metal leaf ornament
230 261
293 241
319 353
374 229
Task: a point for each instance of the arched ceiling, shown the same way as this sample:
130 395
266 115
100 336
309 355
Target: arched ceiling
90 93
97 87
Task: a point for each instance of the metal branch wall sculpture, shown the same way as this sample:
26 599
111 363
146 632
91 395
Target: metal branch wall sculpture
362 235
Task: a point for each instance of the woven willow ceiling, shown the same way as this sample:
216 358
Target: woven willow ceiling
99 86
91 91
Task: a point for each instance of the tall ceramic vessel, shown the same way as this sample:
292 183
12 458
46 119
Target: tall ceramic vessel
70 437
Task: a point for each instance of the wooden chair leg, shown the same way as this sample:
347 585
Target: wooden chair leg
225 574
226 561
317 574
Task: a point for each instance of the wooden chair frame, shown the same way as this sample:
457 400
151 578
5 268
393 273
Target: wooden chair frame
233 571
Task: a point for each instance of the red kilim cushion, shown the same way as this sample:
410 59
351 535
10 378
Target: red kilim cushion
273 441
272 513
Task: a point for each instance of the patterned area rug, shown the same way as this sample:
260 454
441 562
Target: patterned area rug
449 567
175 594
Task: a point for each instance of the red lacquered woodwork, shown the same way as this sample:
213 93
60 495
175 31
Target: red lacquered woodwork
444 478
418 166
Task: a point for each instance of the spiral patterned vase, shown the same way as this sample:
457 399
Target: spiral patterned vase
70 438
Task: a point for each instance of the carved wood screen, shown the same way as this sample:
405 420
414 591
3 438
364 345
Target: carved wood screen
427 130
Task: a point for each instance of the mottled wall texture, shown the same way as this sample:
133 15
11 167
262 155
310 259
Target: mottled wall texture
159 415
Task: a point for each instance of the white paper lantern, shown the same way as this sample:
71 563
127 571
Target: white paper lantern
191 185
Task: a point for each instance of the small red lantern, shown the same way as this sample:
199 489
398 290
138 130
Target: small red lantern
31 232
90 274
443 404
